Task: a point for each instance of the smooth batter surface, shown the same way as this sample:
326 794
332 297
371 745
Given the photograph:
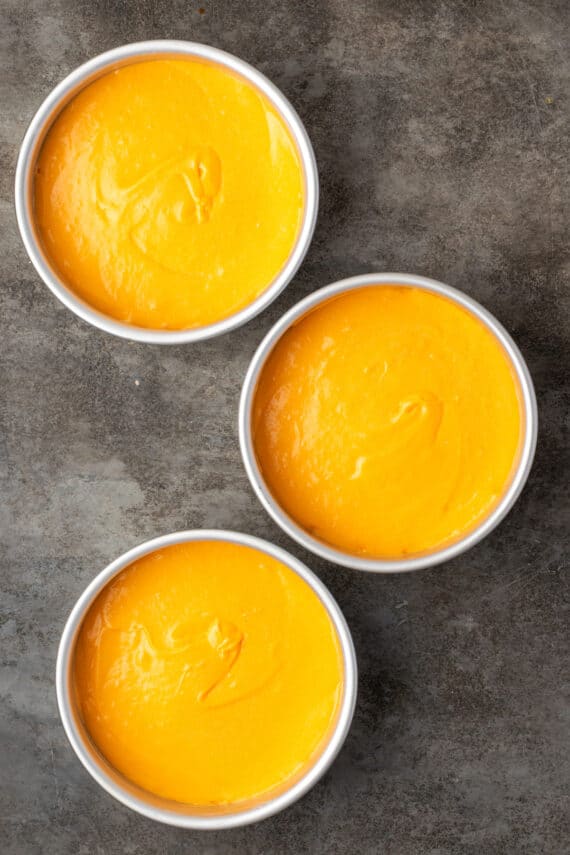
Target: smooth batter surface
208 673
387 421
169 193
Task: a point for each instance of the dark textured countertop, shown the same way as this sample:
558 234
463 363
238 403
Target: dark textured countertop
441 132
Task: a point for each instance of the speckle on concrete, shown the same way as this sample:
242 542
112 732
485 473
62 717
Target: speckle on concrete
441 132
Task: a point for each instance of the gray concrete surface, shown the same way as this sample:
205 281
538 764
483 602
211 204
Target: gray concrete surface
441 134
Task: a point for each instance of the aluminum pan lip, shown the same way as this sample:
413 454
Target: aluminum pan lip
45 116
530 417
179 817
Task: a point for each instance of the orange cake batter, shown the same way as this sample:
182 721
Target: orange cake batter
208 673
169 193
387 421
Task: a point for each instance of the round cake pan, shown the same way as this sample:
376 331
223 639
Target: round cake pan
174 813
413 562
64 92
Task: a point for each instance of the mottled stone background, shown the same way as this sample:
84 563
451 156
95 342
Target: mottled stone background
441 132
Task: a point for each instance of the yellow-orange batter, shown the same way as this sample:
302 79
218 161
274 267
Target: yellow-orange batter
387 421
208 673
169 193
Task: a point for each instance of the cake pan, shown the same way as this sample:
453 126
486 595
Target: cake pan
175 813
413 562
64 92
